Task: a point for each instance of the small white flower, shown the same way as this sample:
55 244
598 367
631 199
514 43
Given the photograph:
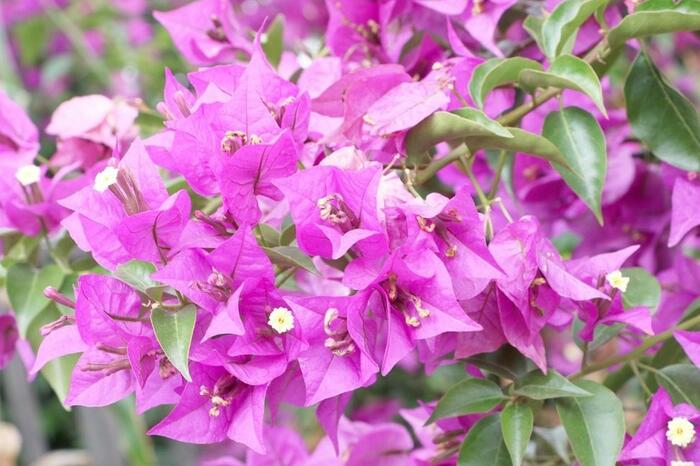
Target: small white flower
281 320
28 174
680 432
682 463
105 179
617 280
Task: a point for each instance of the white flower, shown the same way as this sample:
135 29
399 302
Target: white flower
682 463
281 320
681 432
105 179
28 174
617 280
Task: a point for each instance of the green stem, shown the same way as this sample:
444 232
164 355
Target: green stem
438 164
466 166
635 368
502 158
641 349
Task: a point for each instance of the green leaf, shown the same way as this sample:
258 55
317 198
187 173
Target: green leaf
32 36
661 116
682 382
566 72
273 41
643 289
533 25
20 251
578 136
290 256
138 274
595 425
562 24
538 386
484 445
522 141
601 335
174 333
288 235
517 421
656 17
267 235
497 72
468 396
25 290
450 127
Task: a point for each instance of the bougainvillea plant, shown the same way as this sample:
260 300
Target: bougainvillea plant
340 192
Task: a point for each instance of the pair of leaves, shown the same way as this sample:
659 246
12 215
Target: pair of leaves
662 117
565 72
269 237
173 329
478 131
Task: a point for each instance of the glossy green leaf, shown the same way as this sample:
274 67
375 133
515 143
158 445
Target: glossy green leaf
25 290
517 421
138 274
595 425
578 136
566 72
643 289
497 72
682 381
290 256
656 17
522 141
468 396
563 23
484 445
450 127
533 25
20 250
272 41
538 386
267 235
661 117
288 235
174 333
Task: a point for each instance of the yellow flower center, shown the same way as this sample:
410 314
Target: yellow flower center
281 320
617 280
680 432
